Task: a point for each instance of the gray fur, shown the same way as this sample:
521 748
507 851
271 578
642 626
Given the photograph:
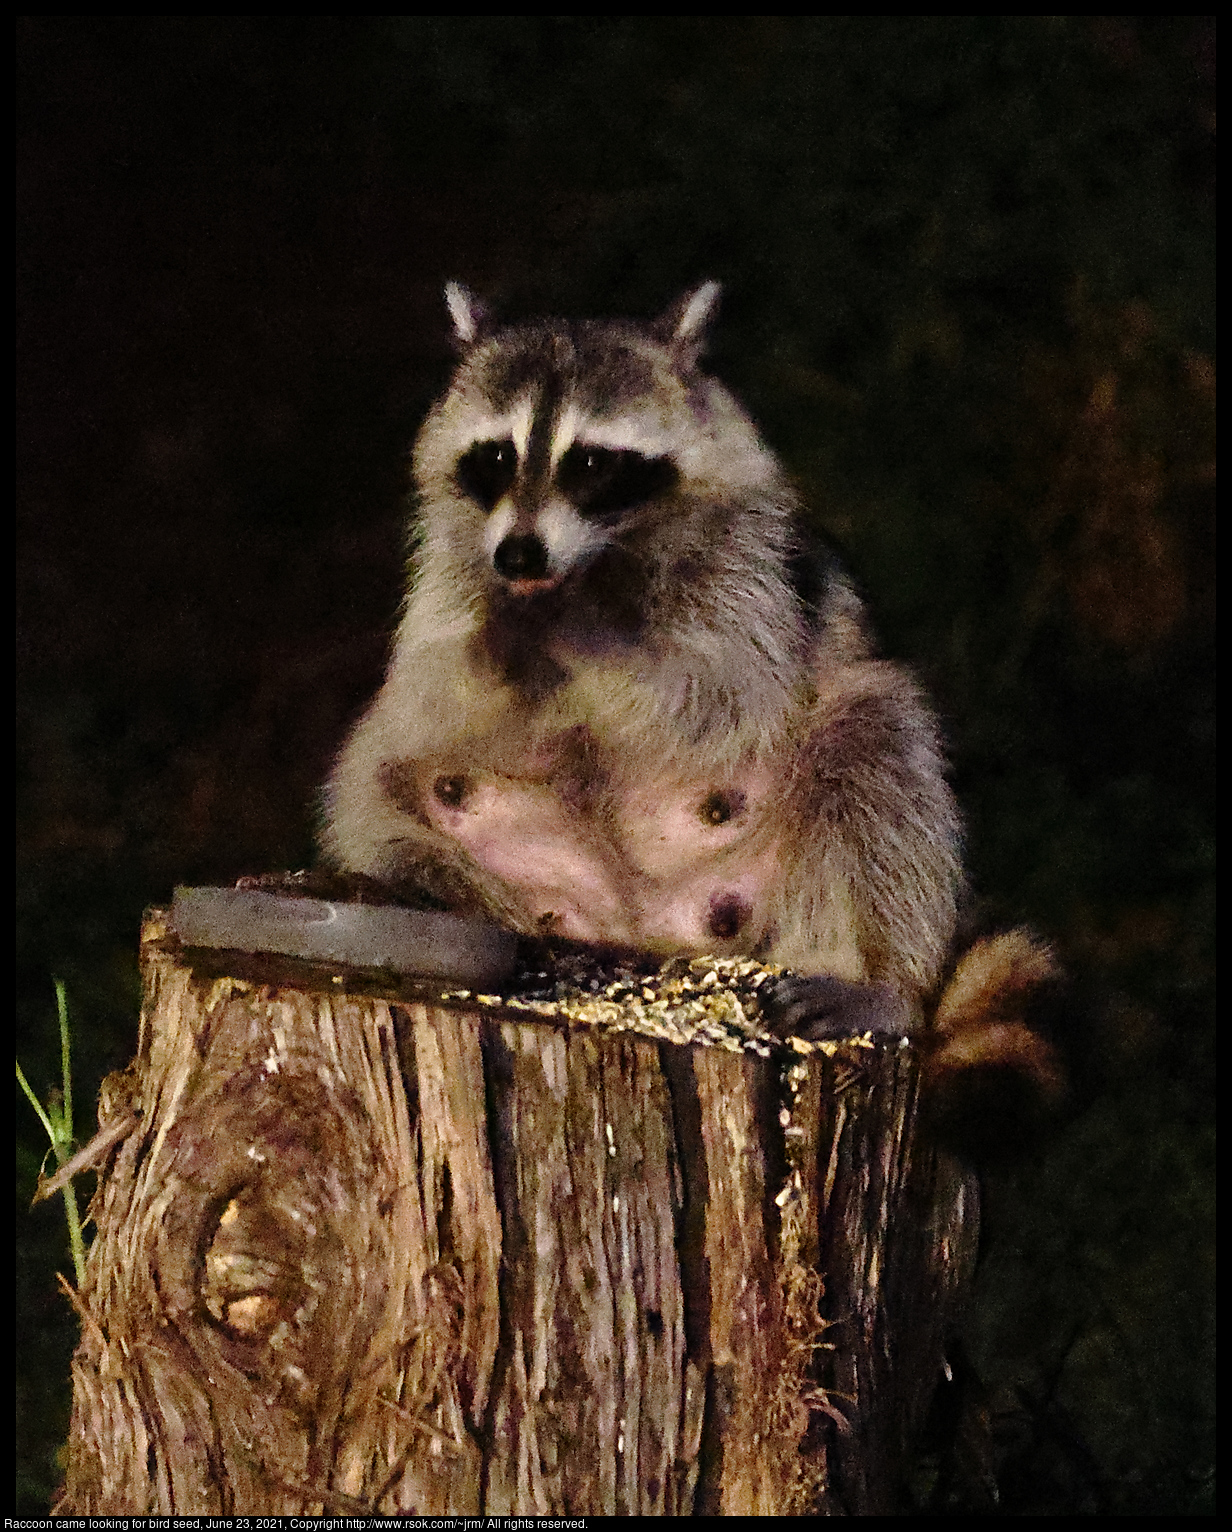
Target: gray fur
640 733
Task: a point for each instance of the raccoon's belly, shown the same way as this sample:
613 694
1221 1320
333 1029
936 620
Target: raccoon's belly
661 866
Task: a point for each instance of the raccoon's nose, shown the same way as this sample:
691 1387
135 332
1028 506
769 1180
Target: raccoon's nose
524 557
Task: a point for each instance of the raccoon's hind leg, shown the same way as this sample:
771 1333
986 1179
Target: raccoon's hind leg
822 1006
991 1075
873 836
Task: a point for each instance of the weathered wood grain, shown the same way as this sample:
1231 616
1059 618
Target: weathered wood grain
374 1252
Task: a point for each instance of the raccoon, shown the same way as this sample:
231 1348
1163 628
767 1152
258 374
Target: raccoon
630 701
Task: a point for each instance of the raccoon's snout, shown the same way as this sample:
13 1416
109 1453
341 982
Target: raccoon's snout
521 557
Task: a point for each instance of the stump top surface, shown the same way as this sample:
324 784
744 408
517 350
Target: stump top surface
712 1001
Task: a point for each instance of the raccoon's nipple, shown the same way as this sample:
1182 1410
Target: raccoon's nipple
721 806
451 791
522 559
729 913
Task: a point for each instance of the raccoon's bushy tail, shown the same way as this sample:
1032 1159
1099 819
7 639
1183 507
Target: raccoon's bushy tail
992 1070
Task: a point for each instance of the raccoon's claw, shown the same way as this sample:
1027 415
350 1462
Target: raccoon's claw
820 1006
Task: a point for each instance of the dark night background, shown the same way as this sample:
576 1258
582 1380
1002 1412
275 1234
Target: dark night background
969 295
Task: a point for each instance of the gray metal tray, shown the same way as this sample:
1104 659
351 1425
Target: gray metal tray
468 952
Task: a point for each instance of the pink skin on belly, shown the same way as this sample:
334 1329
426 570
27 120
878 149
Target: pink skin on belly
529 838
670 829
666 866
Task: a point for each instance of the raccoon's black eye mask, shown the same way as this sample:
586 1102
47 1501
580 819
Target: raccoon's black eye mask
487 471
601 482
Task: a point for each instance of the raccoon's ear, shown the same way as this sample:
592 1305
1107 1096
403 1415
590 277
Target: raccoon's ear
471 318
684 326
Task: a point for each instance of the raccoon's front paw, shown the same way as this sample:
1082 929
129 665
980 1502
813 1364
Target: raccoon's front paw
436 886
425 881
820 1006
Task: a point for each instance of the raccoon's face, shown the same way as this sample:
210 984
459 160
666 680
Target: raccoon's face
553 484
556 441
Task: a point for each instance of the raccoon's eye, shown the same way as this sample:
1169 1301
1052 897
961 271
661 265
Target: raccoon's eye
603 482
487 471
590 463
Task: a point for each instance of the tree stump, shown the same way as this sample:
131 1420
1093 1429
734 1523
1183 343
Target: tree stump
360 1247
